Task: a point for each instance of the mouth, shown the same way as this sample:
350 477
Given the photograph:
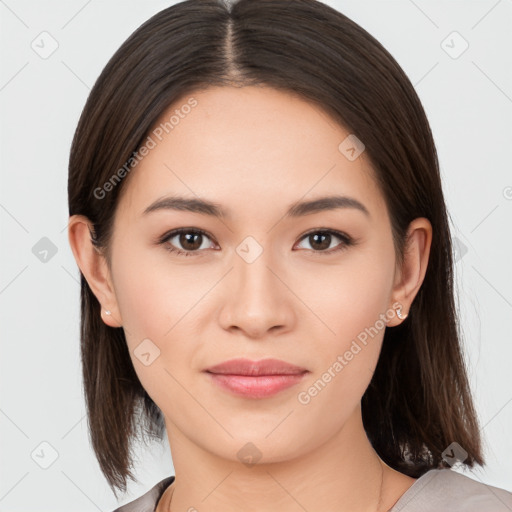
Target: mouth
255 379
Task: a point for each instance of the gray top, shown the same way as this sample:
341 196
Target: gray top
445 490
438 490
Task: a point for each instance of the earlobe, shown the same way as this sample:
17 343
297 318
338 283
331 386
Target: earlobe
94 268
109 318
412 273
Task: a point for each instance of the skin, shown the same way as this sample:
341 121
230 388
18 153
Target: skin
255 151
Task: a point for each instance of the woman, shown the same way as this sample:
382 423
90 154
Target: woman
256 209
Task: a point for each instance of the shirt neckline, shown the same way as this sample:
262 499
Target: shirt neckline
414 489
399 504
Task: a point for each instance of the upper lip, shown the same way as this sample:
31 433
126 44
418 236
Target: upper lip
242 366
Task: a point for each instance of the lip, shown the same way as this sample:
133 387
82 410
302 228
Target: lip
256 379
243 366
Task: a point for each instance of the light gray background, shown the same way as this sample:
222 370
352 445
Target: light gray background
468 100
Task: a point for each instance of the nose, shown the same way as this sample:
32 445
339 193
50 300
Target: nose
256 299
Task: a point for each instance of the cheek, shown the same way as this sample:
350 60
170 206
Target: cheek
346 359
348 298
352 300
158 304
152 293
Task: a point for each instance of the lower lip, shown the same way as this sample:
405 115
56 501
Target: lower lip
256 387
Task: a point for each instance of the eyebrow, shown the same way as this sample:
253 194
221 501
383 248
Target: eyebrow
297 209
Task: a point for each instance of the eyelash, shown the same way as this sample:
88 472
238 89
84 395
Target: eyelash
346 240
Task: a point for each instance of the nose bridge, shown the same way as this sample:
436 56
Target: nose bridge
257 285
259 300
255 281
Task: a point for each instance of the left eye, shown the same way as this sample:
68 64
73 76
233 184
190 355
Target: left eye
320 241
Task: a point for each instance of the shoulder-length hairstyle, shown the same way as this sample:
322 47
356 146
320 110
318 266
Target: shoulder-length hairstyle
419 400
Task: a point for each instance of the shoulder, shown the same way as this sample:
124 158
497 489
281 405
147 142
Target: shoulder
148 501
445 489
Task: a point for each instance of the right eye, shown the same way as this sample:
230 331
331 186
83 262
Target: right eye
191 240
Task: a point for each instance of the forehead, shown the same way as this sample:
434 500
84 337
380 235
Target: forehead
247 148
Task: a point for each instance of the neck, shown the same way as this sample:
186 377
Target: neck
343 474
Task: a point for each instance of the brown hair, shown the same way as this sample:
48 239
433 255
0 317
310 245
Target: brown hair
419 400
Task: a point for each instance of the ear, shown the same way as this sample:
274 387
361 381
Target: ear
409 278
94 267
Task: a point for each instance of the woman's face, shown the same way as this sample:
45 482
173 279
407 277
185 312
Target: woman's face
260 283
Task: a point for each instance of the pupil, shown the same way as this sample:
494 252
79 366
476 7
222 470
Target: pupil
323 245
186 241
